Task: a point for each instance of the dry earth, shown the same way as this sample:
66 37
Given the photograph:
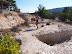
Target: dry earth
32 43
9 19
35 41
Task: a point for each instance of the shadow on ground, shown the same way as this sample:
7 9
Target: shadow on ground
29 30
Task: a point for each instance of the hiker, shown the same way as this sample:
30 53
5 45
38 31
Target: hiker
36 20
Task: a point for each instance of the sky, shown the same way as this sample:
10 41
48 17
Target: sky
30 6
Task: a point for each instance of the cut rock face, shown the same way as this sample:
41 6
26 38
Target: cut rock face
54 34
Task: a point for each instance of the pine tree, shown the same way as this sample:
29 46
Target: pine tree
13 6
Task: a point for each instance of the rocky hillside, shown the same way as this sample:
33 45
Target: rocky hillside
26 16
57 9
10 18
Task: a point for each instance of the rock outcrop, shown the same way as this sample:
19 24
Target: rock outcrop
56 33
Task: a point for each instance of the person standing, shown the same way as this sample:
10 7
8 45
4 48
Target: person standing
36 20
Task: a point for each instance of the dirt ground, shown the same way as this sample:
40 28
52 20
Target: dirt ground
32 45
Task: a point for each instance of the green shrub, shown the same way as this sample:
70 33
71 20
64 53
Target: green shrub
8 45
62 16
32 19
43 13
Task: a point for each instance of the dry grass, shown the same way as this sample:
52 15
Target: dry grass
9 14
12 30
5 30
16 29
26 23
23 17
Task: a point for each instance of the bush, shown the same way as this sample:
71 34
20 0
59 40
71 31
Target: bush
13 33
26 23
23 17
66 14
62 16
19 41
15 29
8 45
32 19
43 13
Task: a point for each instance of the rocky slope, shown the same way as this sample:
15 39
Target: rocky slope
26 16
9 19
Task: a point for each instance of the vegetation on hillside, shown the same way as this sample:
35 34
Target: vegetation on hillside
42 12
66 14
8 45
13 6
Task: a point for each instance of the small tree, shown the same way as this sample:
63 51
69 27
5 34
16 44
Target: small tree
66 14
42 12
69 14
13 6
16 9
62 16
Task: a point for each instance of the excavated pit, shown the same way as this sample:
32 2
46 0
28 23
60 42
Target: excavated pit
55 37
